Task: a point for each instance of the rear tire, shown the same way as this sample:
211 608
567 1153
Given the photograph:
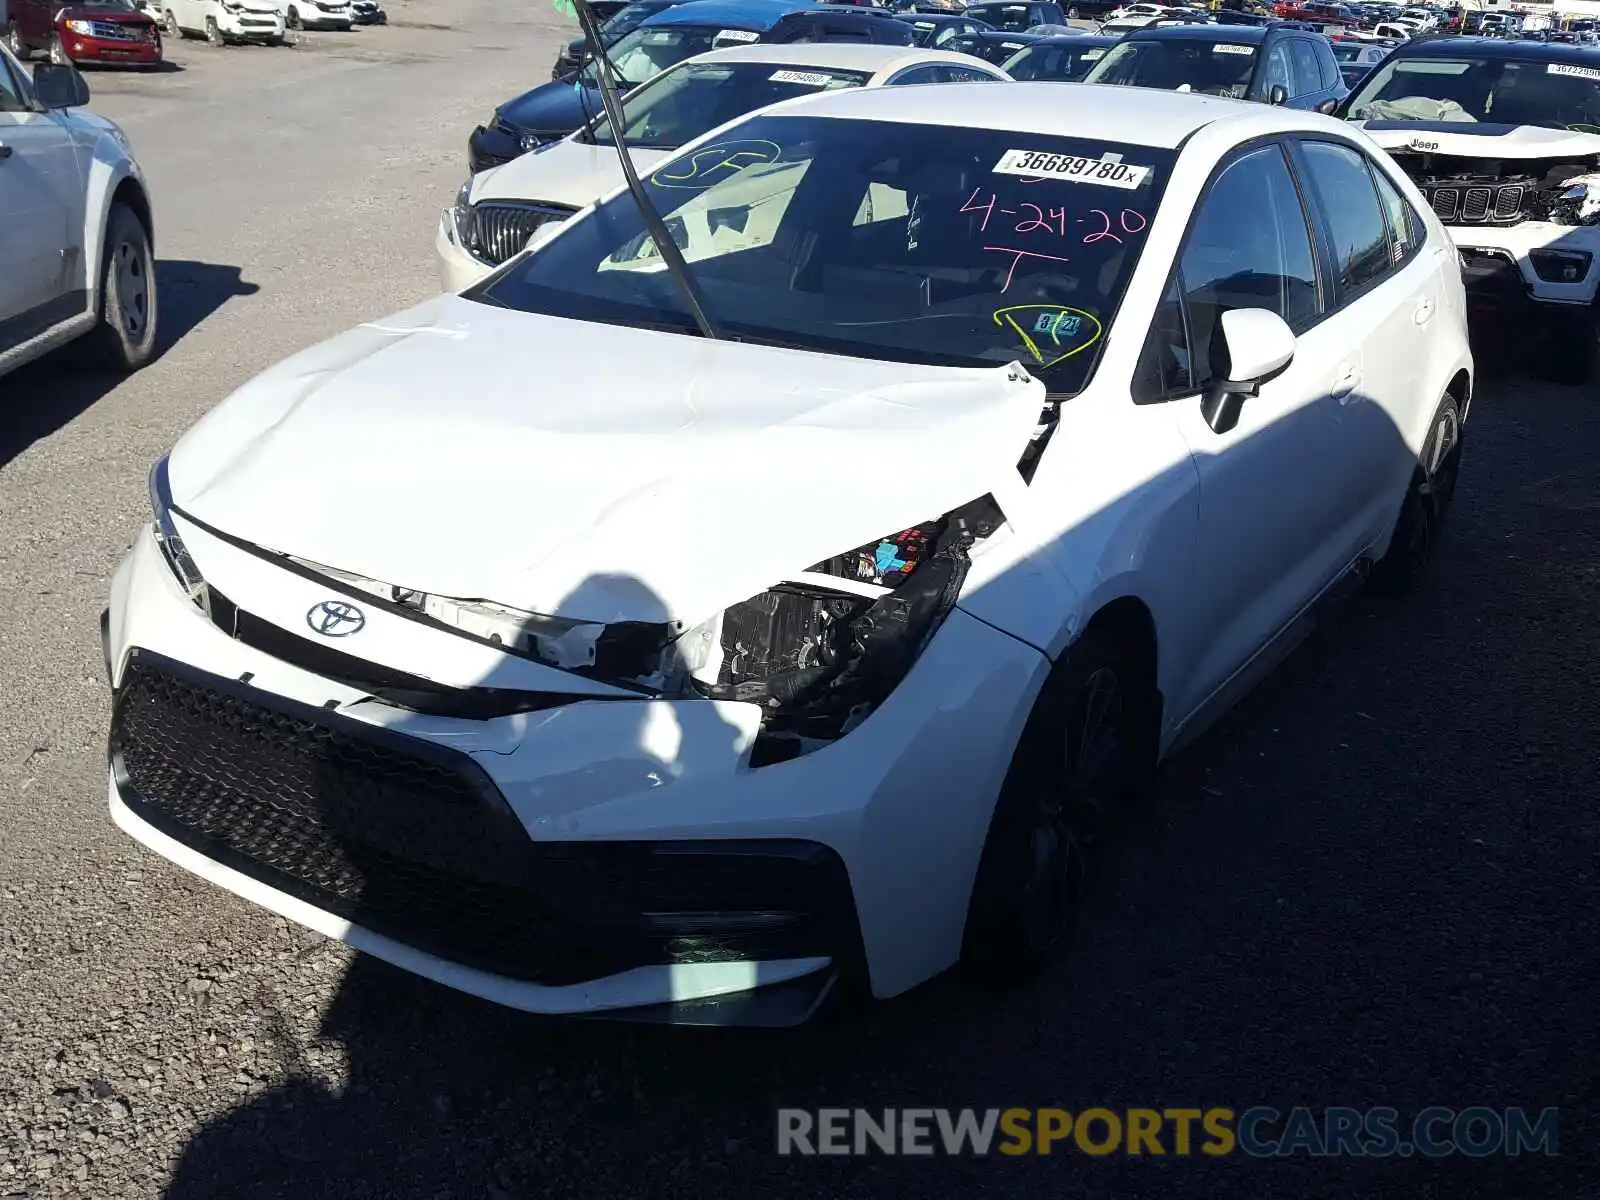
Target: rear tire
1420 525
174 30
214 33
292 20
125 338
1087 752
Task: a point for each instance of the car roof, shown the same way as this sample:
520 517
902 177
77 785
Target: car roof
1482 47
1002 35
1137 116
917 18
1202 33
839 56
1086 40
727 14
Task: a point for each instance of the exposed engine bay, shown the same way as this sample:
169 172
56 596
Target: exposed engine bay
1487 191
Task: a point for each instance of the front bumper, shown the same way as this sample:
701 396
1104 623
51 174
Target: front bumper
1497 265
251 26
312 17
584 812
458 268
105 52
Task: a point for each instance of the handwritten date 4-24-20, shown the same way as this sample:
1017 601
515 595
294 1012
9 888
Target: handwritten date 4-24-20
1036 218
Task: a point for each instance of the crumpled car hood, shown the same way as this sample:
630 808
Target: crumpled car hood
567 173
590 471
1480 139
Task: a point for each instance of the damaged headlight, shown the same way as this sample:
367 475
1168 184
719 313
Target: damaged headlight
461 214
820 658
167 536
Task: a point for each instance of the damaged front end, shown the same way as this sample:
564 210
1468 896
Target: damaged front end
820 652
1486 191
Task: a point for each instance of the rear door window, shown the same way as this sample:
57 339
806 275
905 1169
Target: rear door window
1357 226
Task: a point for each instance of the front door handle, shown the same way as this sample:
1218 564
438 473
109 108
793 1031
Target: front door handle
1346 379
1424 312
5 152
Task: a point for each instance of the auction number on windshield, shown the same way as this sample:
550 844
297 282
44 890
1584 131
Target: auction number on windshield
1071 168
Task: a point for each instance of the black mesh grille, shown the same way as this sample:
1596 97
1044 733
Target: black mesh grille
501 230
414 842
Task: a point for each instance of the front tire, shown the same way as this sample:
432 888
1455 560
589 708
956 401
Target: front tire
1420 525
1086 753
125 338
293 19
58 52
214 32
174 30
14 43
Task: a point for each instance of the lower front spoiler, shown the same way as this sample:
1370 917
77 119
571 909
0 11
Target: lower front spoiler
773 993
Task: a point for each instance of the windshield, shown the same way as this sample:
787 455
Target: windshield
625 21
1011 18
645 52
694 98
114 5
908 242
1214 68
1556 95
1346 52
1065 64
933 33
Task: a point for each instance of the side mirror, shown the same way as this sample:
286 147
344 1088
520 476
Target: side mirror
1328 107
1277 94
1258 344
56 86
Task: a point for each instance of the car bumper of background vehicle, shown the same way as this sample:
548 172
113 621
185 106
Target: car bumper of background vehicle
458 269
251 27
317 18
109 53
487 147
902 803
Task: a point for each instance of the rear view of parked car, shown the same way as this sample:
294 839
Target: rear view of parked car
102 32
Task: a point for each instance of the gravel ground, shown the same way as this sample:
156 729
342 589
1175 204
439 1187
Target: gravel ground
1374 884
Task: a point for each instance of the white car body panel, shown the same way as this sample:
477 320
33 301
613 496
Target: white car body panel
321 14
248 20
53 219
1522 141
447 446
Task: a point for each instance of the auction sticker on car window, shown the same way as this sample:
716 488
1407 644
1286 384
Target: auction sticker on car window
1071 168
1232 48
1091 55
737 35
807 78
1569 69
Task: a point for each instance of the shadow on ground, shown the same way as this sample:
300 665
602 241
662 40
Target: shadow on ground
48 394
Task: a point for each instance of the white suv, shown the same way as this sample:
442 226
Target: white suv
75 227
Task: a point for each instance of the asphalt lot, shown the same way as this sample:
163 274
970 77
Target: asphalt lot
1374 884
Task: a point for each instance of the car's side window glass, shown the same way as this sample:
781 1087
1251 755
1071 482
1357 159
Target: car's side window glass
955 74
1356 223
10 91
1406 229
1249 246
928 74
1164 367
1329 67
1276 71
1303 68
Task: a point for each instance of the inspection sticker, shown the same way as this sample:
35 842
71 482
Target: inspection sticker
1091 55
1232 48
1071 168
1569 69
737 35
808 78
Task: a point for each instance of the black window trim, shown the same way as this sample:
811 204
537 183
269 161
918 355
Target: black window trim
1314 231
1343 298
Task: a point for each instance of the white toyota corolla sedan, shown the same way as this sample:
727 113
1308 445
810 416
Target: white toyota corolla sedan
590 649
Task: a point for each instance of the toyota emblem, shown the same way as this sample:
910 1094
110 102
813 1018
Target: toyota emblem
335 618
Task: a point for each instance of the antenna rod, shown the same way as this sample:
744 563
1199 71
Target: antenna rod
670 254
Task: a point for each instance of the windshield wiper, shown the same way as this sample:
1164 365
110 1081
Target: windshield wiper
668 248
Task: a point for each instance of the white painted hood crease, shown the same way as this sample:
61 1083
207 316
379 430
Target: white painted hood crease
590 471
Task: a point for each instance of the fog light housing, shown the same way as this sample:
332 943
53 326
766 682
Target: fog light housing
1561 266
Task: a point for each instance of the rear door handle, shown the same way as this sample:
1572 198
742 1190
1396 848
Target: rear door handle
1424 312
